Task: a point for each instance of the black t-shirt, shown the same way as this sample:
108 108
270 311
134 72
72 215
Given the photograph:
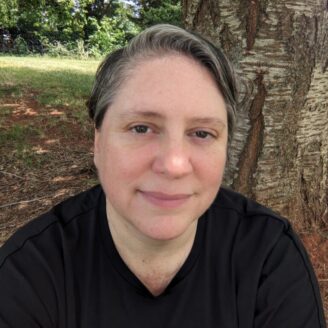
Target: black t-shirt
246 269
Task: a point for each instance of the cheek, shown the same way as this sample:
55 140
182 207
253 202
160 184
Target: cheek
116 163
211 169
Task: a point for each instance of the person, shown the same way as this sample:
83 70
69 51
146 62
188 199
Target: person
160 243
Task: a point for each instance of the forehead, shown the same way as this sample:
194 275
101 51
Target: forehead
161 66
169 84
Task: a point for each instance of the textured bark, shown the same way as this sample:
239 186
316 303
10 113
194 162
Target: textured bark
279 155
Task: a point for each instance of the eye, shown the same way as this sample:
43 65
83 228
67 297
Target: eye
140 129
203 134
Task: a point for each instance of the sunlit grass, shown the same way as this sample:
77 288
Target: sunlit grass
49 63
46 85
56 82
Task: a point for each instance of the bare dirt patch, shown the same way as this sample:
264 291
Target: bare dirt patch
46 156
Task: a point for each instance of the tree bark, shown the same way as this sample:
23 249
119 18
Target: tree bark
279 155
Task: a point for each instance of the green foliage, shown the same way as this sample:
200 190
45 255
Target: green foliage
106 37
57 20
20 46
79 28
80 49
150 12
64 49
111 33
57 49
8 13
168 12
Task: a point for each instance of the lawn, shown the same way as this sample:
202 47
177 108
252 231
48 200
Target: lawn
55 82
45 135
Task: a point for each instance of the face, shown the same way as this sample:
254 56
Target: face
161 149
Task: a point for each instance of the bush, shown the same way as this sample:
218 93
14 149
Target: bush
20 46
68 49
57 49
80 49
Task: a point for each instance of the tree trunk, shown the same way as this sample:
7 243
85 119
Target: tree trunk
280 150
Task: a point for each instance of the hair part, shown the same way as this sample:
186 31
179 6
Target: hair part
157 41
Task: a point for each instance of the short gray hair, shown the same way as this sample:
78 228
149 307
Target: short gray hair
157 41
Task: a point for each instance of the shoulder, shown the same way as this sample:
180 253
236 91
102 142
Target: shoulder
245 207
49 227
252 230
248 214
269 261
36 263
262 239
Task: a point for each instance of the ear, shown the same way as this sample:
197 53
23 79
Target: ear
96 146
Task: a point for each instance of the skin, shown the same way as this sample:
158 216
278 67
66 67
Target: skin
160 155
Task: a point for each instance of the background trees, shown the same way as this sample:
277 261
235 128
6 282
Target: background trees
84 27
155 11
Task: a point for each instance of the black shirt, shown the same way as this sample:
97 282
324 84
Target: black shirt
246 269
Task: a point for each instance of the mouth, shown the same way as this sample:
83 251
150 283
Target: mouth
164 200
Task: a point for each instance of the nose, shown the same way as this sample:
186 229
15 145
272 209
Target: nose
173 159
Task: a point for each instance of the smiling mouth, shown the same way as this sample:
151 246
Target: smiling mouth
164 200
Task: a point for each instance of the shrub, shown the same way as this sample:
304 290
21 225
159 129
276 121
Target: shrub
20 46
57 49
80 49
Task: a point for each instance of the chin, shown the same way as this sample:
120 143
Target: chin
167 229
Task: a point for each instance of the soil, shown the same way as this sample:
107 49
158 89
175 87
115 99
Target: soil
58 163
46 167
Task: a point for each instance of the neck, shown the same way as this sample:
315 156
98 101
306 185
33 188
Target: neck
154 262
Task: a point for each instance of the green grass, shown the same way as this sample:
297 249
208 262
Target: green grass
18 133
5 110
15 138
23 153
8 89
56 82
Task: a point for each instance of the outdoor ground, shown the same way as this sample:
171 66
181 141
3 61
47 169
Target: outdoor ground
46 145
45 136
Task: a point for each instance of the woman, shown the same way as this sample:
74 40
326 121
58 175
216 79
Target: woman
160 243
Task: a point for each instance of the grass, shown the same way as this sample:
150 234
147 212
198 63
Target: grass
58 82
18 133
49 83
45 135
15 139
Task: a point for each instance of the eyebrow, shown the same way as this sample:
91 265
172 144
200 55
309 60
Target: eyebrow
141 113
208 120
156 115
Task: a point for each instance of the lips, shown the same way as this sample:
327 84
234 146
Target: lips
165 200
